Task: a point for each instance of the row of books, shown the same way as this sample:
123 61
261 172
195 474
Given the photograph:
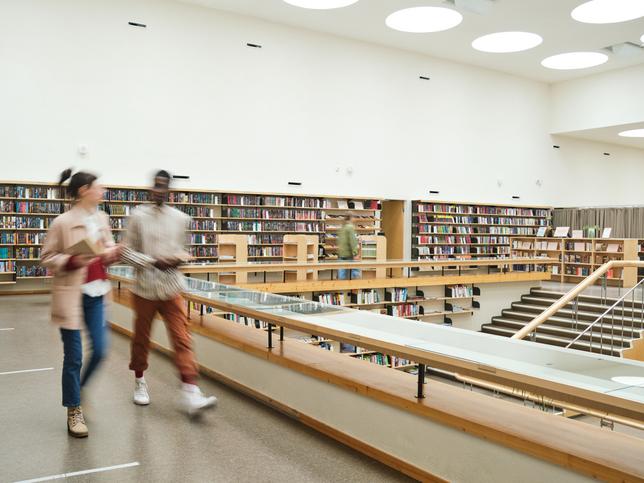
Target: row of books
202 238
336 298
365 297
474 209
481 220
39 207
268 214
209 225
15 191
255 251
404 310
576 258
245 200
578 271
270 226
461 250
198 211
248 321
126 195
459 290
7 266
210 252
117 210
462 239
26 238
23 253
397 294
447 229
24 222
31 271
203 198
266 239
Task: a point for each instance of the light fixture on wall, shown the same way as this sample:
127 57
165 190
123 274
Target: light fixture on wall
505 42
321 4
424 19
632 133
574 60
608 11
480 7
626 50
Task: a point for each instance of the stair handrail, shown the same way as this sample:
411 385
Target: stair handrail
619 300
573 293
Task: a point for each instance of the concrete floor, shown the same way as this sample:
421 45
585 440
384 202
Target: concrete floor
240 440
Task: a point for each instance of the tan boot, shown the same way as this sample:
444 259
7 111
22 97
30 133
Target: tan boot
76 422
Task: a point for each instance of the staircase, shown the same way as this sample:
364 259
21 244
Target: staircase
620 334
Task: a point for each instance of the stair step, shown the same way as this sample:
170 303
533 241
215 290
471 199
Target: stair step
593 299
582 306
554 340
525 317
581 315
569 334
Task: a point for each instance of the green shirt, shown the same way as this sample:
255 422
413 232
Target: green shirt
347 241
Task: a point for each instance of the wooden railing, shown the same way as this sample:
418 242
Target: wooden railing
574 293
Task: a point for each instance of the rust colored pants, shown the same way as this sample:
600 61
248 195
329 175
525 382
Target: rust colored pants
174 315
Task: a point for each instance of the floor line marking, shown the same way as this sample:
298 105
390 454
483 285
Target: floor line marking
7 328
79 473
27 370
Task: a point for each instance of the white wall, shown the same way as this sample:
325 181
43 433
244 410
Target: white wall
608 99
186 94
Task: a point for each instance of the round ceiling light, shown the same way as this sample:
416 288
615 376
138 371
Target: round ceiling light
574 60
503 42
424 19
632 133
321 4
608 11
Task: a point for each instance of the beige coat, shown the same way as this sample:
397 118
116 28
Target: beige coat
66 230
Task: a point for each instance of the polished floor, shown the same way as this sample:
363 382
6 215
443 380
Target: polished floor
240 440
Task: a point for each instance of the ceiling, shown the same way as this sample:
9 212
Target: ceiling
551 19
609 135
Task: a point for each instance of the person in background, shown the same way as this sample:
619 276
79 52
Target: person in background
155 246
79 287
348 247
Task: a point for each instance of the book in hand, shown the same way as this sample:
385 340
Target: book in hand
84 247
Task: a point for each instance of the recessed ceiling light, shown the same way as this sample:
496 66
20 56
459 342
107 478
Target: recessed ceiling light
424 19
507 42
632 133
321 4
608 11
642 39
574 60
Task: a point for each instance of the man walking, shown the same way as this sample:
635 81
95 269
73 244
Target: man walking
155 246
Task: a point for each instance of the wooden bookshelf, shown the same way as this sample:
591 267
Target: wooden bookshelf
443 229
373 247
233 248
579 257
302 249
26 209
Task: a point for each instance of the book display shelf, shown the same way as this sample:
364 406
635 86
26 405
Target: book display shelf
579 257
27 208
442 230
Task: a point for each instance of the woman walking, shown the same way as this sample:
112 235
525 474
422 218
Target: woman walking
79 287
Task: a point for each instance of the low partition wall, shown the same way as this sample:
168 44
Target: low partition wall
452 434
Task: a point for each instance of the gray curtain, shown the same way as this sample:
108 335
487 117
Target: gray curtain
627 222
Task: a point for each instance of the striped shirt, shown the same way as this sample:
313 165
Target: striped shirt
156 232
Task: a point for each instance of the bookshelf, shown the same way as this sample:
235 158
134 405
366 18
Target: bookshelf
233 249
579 257
373 247
442 229
302 249
264 219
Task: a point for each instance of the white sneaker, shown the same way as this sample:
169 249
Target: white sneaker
141 396
193 399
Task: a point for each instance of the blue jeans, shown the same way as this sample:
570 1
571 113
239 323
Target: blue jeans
94 315
342 272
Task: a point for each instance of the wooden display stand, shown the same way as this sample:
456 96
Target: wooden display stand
233 248
373 247
580 257
301 249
